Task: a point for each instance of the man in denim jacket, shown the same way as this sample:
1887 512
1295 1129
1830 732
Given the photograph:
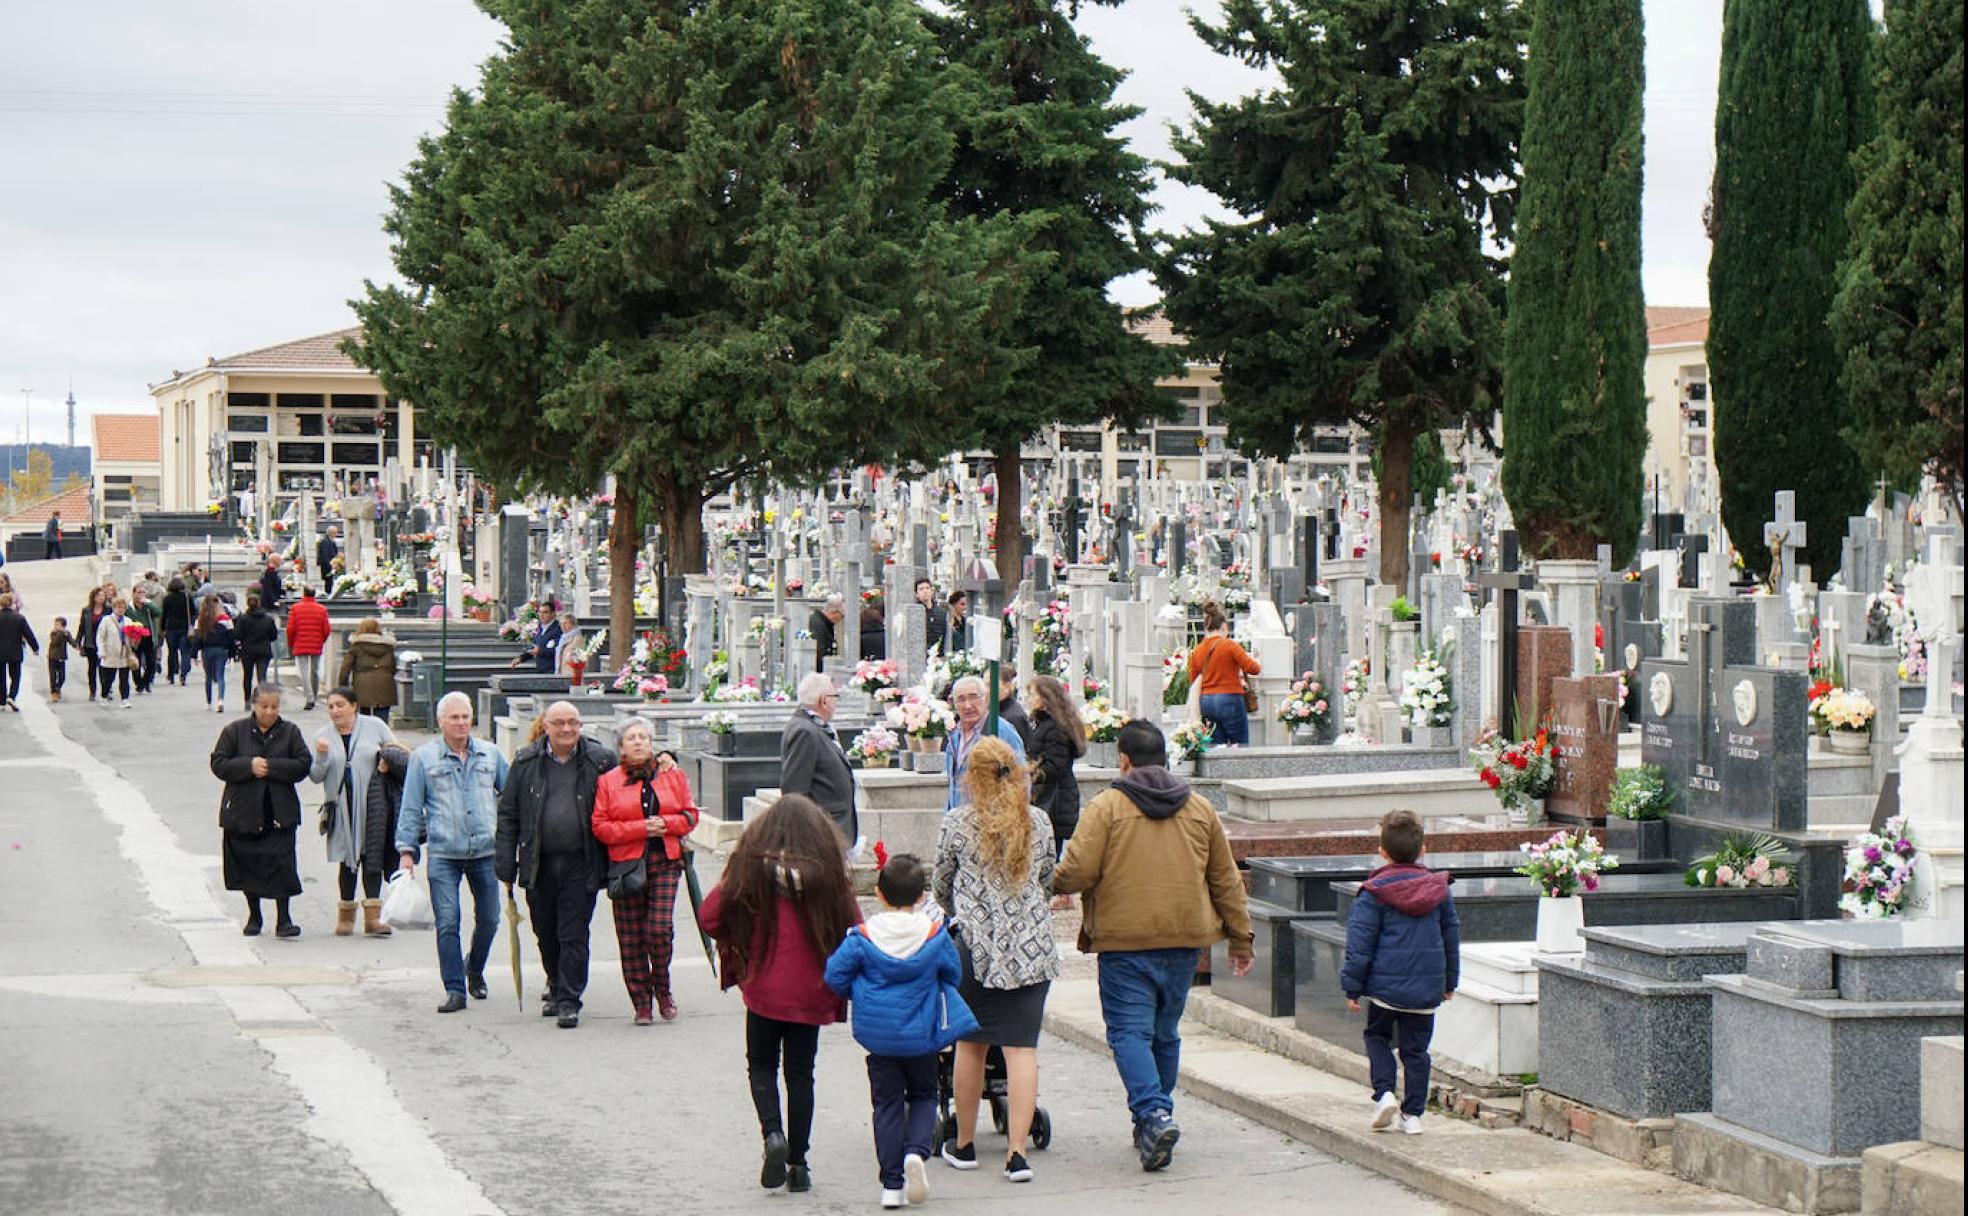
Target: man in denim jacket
451 804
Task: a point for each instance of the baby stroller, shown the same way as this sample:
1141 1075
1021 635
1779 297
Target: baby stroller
997 1092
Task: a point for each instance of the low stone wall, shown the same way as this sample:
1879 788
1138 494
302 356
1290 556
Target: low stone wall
1648 1142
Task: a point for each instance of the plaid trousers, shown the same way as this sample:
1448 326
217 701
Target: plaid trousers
645 933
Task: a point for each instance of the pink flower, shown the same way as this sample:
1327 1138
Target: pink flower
1725 875
1780 877
1591 882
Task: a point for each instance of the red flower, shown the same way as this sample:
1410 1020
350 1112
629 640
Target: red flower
881 855
1517 760
1490 778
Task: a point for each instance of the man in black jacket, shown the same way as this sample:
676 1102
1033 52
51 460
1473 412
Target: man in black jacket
16 638
810 758
545 842
326 550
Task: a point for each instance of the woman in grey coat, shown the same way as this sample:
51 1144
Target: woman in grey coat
347 755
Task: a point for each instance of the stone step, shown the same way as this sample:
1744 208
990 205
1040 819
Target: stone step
1832 774
1488 1029
1430 793
1841 814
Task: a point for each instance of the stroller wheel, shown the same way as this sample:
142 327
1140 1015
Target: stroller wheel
1000 1114
1041 1129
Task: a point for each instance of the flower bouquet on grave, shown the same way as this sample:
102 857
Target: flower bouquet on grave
874 676
925 719
1175 678
1192 739
1640 794
745 692
478 605
649 667
1353 686
874 747
1425 691
1879 872
1091 688
1102 721
716 672
1236 599
1842 715
1049 636
1519 773
1306 705
1743 861
762 627
1566 864
522 624
720 722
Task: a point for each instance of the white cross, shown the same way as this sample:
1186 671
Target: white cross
1785 535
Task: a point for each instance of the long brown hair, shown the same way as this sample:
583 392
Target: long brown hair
208 618
996 785
1055 704
1213 618
793 851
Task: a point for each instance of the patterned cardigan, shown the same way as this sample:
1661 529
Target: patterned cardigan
1007 930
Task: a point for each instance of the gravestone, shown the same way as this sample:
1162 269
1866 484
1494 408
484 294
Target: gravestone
1506 583
1544 653
1585 723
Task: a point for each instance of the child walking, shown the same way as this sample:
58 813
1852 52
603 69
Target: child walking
1403 959
900 970
59 640
782 906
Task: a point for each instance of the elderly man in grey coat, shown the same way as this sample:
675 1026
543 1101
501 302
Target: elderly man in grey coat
810 758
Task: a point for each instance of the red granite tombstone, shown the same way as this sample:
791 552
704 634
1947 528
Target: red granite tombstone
1544 653
1585 725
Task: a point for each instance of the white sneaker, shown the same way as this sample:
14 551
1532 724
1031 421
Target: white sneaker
1411 1125
893 1199
1385 1108
126 705
915 1172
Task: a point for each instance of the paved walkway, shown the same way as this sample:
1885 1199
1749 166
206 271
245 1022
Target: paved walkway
152 1060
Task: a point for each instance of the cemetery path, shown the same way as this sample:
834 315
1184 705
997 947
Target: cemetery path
152 1060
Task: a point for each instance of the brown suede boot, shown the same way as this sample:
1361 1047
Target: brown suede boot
344 917
372 918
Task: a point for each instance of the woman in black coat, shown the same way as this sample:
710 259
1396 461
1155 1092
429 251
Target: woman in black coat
257 633
261 759
178 616
1057 739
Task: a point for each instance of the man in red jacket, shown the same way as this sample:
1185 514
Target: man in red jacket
307 633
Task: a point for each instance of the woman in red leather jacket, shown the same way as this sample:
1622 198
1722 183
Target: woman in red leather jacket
643 808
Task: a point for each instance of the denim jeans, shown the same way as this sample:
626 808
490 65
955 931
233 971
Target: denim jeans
903 1090
1225 711
446 910
1142 993
1413 1030
215 661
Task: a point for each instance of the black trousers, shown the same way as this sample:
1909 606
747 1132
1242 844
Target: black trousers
255 674
146 664
562 904
903 1091
1413 1030
372 882
112 677
57 674
10 673
764 1040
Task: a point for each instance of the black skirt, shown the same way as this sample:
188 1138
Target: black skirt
261 865
1006 1017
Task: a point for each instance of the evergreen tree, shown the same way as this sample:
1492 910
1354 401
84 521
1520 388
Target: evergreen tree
1795 102
1897 317
1574 401
688 244
1038 144
1356 289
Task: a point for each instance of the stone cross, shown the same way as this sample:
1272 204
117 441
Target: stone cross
1784 536
1507 582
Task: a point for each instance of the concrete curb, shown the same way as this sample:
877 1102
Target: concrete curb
1508 1172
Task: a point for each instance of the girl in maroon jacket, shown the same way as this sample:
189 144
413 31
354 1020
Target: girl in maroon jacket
784 904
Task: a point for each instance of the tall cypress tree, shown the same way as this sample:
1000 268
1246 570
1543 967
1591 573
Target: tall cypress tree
1897 317
1574 400
1038 145
1795 103
1356 289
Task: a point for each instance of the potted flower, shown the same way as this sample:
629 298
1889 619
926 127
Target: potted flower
1103 728
1636 812
478 605
1191 741
874 747
1844 716
1307 709
723 725
1564 867
1425 700
926 721
1879 872
590 652
1175 678
716 672
1520 773
643 672
1743 861
874 676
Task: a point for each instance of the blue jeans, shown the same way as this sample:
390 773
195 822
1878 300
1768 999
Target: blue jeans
903 1090
1225 711
1142 993
447 911
215 661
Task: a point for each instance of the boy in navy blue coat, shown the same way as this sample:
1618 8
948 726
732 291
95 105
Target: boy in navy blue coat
1403 959
900 971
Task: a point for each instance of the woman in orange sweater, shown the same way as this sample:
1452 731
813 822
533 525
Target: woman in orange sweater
1221 665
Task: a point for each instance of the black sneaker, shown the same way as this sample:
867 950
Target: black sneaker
548 1008
963 1158
1154 1139
799 1178
772 1172
475 984
1016 1169
570 1017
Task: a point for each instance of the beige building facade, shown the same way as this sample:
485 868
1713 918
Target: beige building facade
1680 461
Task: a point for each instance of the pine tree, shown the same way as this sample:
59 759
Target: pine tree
1795 102
1356 289
1574 402
1038 145
1897 317
687 245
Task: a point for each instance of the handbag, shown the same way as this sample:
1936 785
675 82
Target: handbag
1250 695
628 879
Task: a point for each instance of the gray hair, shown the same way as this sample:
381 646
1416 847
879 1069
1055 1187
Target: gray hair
449 697
963 682
834 601
266 690
813 686
562 704
636 726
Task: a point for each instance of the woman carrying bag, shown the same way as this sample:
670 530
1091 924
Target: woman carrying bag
348 756
642 811
1217 667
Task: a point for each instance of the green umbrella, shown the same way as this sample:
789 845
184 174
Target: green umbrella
512 937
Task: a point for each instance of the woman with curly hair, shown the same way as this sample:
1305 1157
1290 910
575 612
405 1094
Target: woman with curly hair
784 904
994 866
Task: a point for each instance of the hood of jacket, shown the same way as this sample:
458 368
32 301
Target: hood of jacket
372 640
1155 791
1410 889
899 935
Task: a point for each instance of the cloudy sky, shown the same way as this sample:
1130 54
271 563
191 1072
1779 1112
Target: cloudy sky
204 177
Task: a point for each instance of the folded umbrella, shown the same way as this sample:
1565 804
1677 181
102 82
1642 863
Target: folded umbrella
696 891
512 937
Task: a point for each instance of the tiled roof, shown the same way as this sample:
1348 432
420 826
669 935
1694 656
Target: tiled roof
1676 326
131 438
323 351
1151 324
75 505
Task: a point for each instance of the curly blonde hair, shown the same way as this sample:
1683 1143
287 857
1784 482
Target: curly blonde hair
995 782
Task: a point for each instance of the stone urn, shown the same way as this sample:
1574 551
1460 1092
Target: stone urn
930 761
1103 754
1429 736
1849 742
724 743
1637 839
1560 917
1526 813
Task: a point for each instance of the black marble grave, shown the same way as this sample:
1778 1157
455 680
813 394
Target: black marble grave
1505 909
1306 883
1269 987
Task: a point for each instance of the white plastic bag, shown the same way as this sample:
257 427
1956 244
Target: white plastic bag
406 904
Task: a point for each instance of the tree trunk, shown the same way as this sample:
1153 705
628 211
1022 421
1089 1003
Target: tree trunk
1397 440
680 512
1011 535
624 537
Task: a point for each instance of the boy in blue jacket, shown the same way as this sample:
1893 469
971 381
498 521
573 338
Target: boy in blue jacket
900 970
1403 958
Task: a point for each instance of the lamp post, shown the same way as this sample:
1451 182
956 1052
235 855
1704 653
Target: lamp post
27 430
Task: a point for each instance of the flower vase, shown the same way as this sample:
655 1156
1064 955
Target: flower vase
875 762
576 671
1102 755
1849 742
724 743
1559 920
1526 814
930 760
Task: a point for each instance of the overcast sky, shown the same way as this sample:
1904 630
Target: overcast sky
204 177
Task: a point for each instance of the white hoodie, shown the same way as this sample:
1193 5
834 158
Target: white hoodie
898 934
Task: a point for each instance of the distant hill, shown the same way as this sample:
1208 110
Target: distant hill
66 460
